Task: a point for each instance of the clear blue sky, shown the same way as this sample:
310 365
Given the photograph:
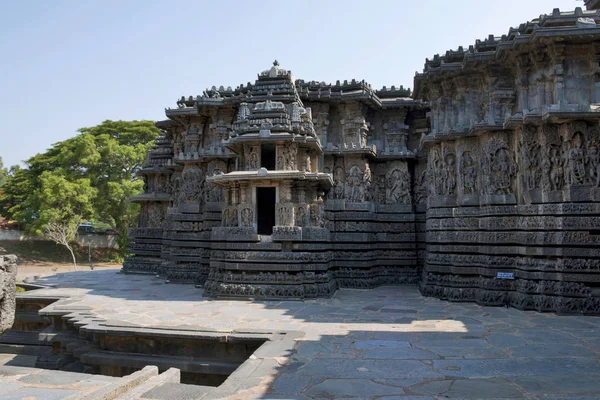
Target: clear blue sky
71 64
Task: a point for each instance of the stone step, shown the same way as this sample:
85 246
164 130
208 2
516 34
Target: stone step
172 375
31 316
23 349
119 388
20 337
205 366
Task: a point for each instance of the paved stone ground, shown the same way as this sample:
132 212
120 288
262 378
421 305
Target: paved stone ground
19 380
387 343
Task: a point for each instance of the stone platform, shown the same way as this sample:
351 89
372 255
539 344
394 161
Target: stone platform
388 343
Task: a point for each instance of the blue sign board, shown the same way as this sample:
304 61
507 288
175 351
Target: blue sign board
505 275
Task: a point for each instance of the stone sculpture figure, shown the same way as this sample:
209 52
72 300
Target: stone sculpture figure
252 160
422 187
354 185
307 163
192 184
531 164
338 183
233 216
557 175
155 216
593 160
247 216
502 171
437 173
300 215
575 161
367 181
174 189
449 175
399 187
469 174
317 217
284 214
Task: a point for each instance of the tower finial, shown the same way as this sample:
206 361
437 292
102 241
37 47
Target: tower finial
276 63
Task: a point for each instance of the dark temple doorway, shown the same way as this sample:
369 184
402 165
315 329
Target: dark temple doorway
267 156
265 210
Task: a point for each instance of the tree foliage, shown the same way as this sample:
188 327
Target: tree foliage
3 173
91 175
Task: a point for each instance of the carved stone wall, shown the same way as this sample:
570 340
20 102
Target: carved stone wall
8 275
512 161
492 166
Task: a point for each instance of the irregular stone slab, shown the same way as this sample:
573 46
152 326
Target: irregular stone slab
573 384
52 378
290 383
483 389
352 387
468 343
470 388
369 369
7 387
38 393
399 354
549 350
468 353
514 367
380 344
506 340
178 391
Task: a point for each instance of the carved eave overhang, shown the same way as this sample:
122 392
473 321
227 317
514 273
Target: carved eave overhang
571 33
557 117
236 144
565 26
166 124
203 155
181 115
368 151
146 197
153 170
385 98
323 179
388 104
475 130
400 155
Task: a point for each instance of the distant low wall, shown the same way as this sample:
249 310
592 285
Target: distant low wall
95 240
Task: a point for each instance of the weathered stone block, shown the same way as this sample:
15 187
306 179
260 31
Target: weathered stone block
8 276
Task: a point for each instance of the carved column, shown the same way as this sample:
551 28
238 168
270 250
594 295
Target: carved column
558 71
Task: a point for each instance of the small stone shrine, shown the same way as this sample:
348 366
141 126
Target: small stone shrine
482 185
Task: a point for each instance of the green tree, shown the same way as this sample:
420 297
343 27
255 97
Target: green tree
108 155
61 205
3 173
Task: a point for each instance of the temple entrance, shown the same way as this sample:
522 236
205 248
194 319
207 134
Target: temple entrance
265 210
267 156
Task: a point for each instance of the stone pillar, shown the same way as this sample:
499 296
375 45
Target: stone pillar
541 92
557 73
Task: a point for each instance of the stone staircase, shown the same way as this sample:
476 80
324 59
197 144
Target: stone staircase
59 346
26 381
23 337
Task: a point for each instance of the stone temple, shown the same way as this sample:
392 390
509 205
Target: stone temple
483 184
